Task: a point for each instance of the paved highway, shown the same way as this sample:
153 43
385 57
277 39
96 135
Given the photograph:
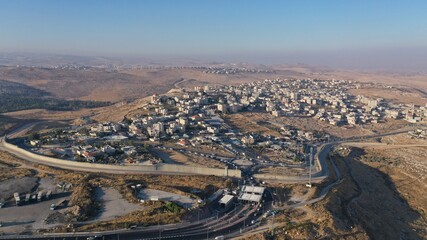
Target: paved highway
228 224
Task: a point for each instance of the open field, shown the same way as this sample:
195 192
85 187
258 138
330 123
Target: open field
403 139
359 206
31 216
375 179
28 218
20 185
114 205
175 157
247 122
283 171
392 95
183 201
212 148
91 84
128 88
414 79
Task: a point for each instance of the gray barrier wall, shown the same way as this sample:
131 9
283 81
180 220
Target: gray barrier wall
303 178
119 169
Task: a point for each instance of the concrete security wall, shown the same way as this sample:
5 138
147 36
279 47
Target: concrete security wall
317 172
121 169
287 178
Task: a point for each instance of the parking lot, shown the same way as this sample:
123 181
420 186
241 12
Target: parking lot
28 217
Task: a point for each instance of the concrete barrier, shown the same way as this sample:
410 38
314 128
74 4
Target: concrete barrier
291 179
117 169
318 174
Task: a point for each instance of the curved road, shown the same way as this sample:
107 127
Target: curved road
320 157
229 223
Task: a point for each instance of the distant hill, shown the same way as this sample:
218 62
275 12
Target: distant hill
114 86
17 96
7 87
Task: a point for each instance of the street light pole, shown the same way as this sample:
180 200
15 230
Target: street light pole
207 234
272 225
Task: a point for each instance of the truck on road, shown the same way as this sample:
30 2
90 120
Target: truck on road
40 196
27 197
17 198
48 194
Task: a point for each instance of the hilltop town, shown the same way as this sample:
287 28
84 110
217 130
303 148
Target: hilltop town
265 144
198 117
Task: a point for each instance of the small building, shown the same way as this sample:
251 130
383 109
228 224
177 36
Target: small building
226 202
251 194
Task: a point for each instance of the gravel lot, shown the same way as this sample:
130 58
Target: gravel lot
113 204
183 201
28 217
21 185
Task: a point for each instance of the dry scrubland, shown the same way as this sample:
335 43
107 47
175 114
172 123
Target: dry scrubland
393 95
249 122
382 194
189 159
82 202
213 148
283 171
415 80
374 200
93 84
125 87
114 112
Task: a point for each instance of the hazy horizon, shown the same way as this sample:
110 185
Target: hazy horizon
389 35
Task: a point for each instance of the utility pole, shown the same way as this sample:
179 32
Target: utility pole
272 224
207 234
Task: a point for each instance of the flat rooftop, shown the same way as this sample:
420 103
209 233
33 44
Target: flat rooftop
253 189
226 199
250 197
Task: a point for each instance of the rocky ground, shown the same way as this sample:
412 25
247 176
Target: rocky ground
373 200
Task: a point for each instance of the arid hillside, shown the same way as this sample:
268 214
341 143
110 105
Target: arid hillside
102 85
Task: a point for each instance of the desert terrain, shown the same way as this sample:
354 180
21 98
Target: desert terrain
374 179
94 202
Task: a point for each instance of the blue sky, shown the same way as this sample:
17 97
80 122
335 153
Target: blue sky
220 28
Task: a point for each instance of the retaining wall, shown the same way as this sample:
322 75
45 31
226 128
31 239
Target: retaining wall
120 169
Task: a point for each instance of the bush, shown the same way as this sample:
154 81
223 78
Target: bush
172 207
